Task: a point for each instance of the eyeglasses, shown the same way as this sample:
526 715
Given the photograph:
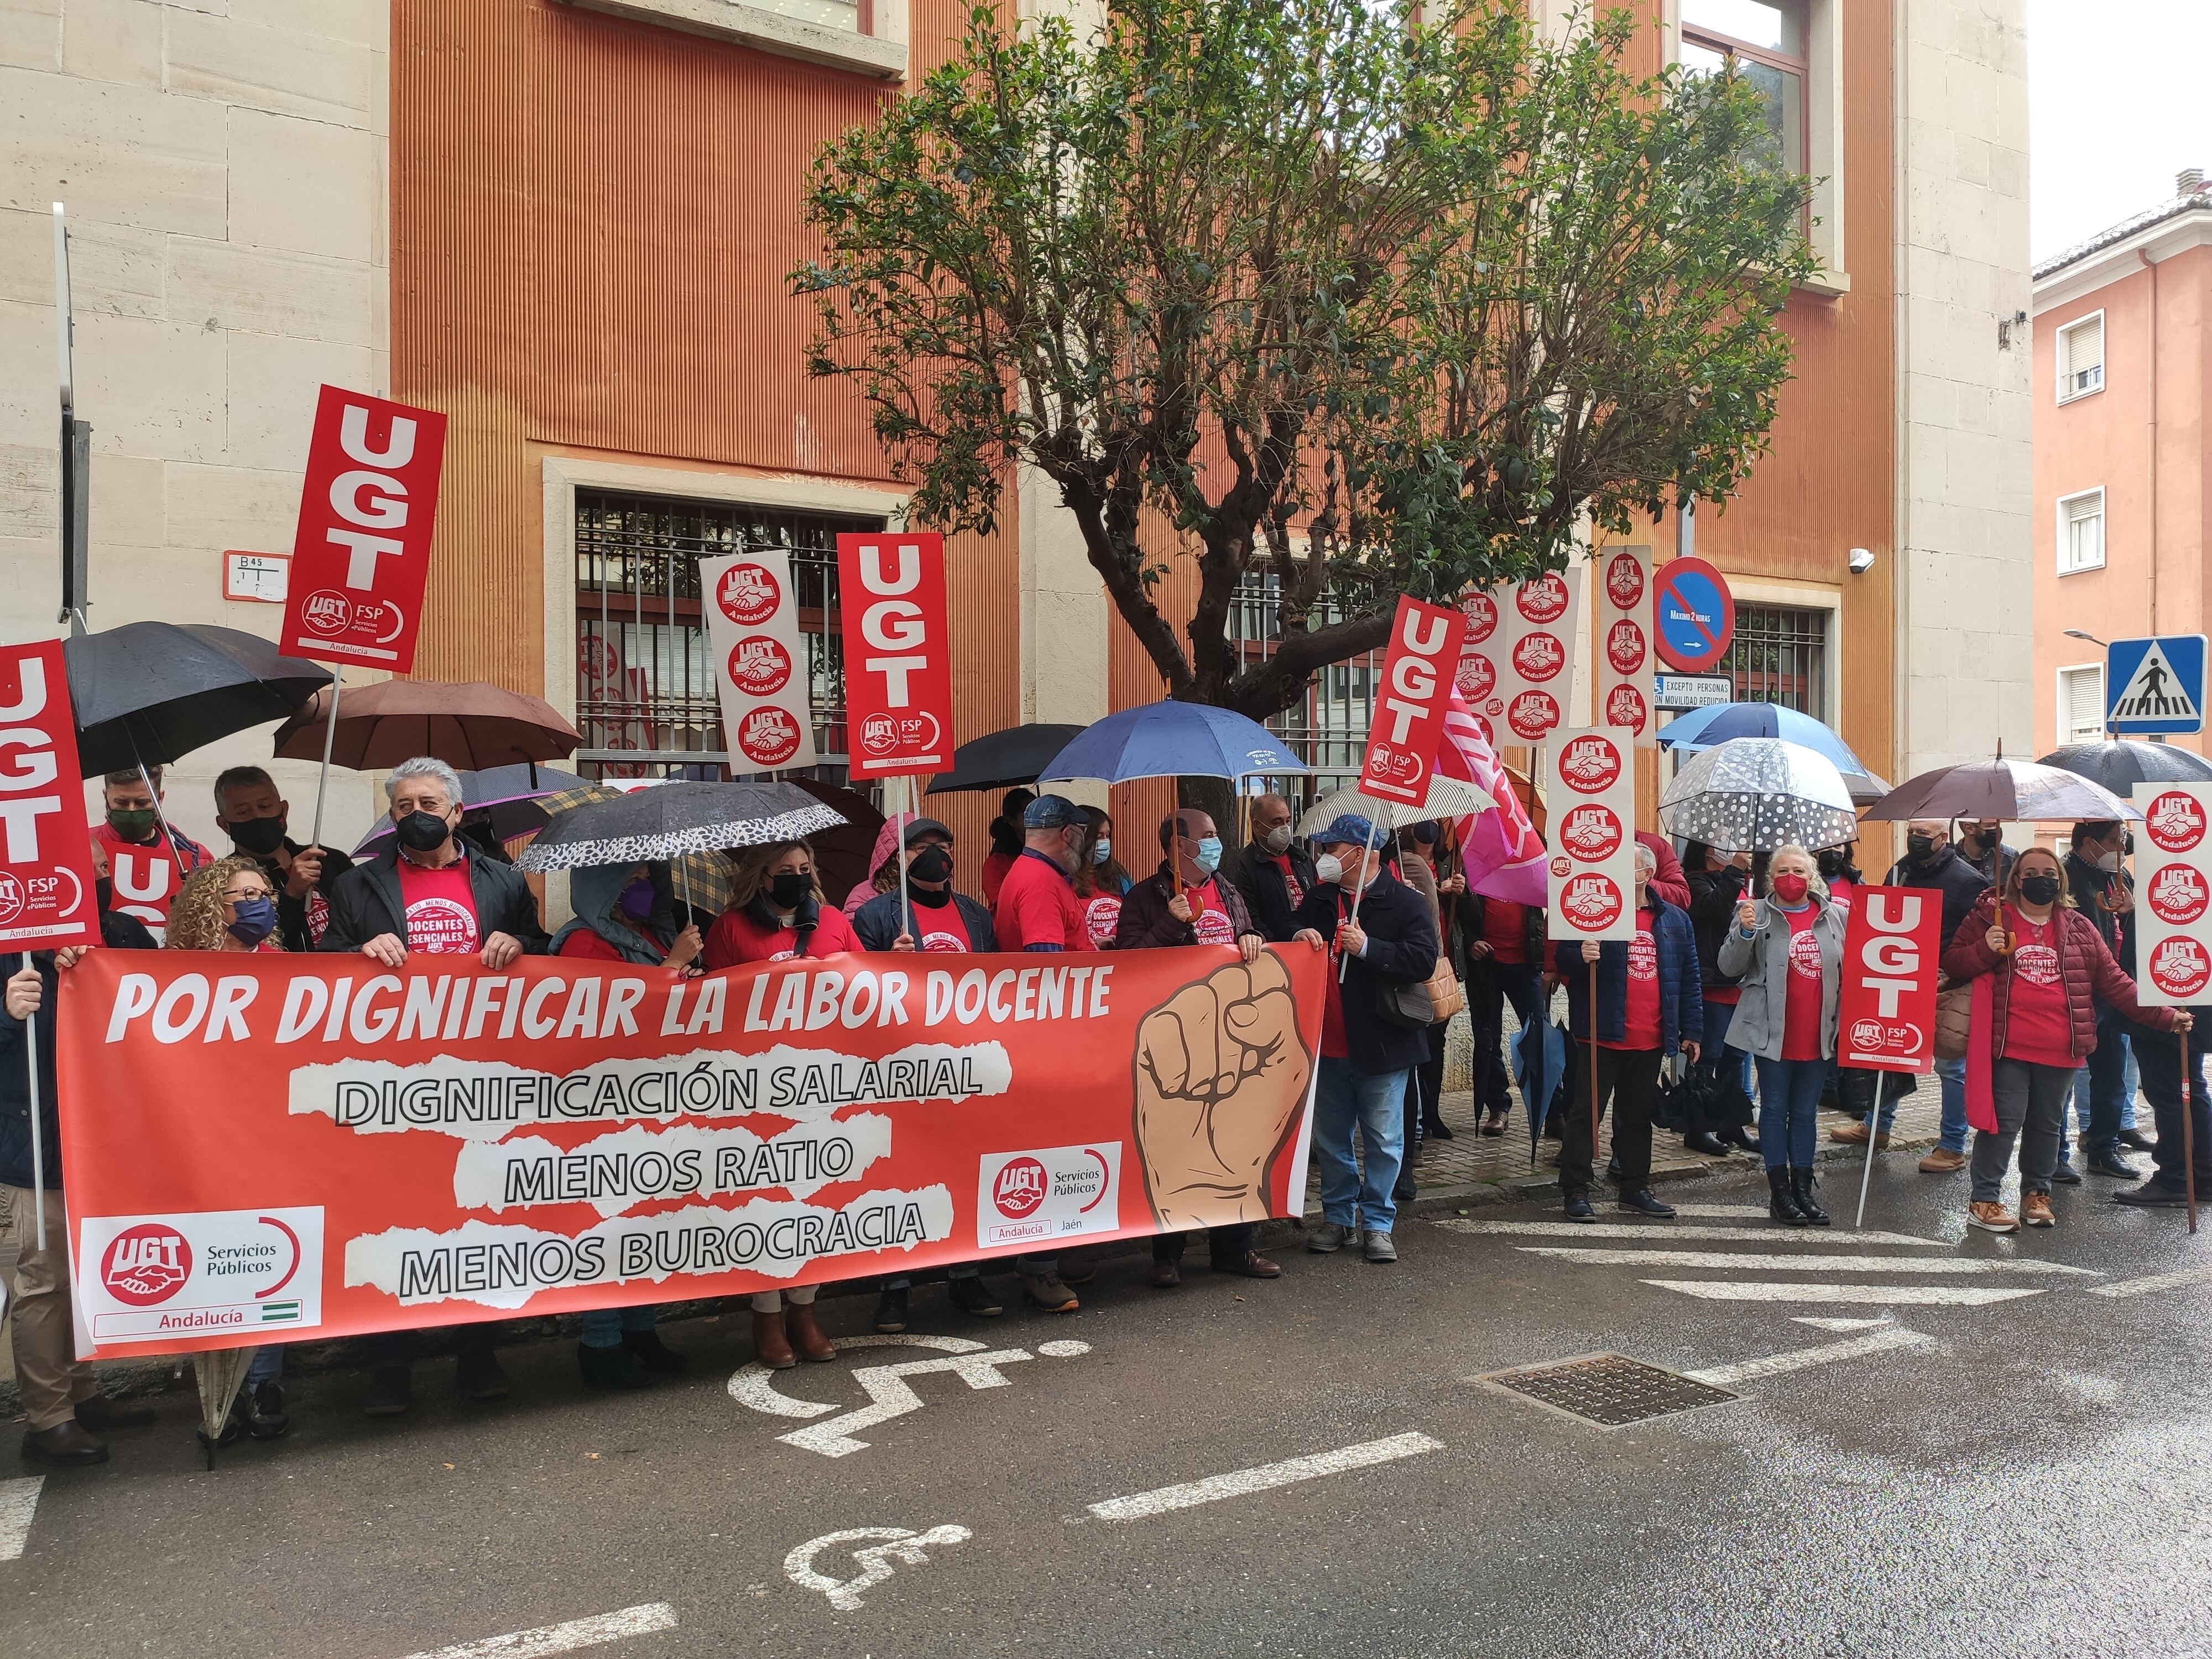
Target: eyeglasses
250 893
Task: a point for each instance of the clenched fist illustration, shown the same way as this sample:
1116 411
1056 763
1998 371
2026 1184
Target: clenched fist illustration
1221 1073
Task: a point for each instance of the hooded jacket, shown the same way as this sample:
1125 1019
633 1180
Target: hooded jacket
594 888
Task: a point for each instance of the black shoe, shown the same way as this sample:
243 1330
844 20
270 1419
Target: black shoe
890 1308
105 1411
65 1444
2153 1195
268 1419
2066 1175
971 1296
1782 1201
1438 1130
611 1368
1613 1167
1639 1198
1579 1208
652 1354
390 1390
1403 1192
1801 1189
1737 1136
477 1373
2115 1167
2136 1140
1704 1144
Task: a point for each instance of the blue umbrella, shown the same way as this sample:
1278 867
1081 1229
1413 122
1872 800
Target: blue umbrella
1709 728
1168 740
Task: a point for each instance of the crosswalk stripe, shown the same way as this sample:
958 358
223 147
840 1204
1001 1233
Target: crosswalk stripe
1797 1359
1215 1487
1724 1212
2156 1282
1745 1261
1914 1296
1657 1231
547 1639
19 1502
1820 1324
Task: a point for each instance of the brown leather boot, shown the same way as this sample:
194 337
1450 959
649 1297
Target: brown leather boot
806 1335
66 1443
771 1345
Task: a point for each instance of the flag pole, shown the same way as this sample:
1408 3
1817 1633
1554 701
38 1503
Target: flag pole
898 852
1874 1117
1593 1066
1343 962
2188 1131
330 737
38 1135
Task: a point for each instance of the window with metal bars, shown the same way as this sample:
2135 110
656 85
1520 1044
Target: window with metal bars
645 690
1327 728
1780 655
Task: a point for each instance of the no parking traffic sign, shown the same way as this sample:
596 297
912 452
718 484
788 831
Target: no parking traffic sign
1692 614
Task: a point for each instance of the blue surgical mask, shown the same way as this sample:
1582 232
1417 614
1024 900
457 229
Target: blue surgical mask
1209 855
1103 851
256 919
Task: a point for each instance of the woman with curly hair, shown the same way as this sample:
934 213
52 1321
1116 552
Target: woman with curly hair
229 906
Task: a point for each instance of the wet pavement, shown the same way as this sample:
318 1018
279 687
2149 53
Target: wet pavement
1934 1444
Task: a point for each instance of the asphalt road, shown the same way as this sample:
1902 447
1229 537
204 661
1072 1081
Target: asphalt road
2031 1474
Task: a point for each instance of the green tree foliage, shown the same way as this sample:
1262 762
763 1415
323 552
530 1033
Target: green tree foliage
1381 299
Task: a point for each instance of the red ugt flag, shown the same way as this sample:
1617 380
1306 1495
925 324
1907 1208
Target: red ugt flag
1409 714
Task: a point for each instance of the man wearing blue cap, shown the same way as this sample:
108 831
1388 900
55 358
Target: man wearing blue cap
1365 1055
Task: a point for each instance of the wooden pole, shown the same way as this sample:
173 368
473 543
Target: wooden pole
2188 1131
1593 1070
38 1135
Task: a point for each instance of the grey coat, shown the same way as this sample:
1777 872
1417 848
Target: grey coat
1763 960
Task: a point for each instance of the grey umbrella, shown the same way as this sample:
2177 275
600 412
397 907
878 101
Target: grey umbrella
1754 794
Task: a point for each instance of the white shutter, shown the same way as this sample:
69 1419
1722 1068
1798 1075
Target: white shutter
2081 704
2082 357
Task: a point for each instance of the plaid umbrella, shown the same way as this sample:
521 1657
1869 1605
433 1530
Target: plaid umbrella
1754 794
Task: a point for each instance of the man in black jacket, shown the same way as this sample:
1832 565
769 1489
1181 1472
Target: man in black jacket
61 1401
1276 874
1930 860
255 817
425 891
428 893
1360 1079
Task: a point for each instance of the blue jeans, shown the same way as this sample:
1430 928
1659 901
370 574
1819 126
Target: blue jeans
267 1366
605 1327
2131 1082
1951 1075
1727 1062
1789 1103
1375 1103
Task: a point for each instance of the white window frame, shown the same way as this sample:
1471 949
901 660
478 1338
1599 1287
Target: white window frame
2064 528
2066 394
2065 734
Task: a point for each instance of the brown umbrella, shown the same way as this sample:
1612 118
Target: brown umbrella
469 725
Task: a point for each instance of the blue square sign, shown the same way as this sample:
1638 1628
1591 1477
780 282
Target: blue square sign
2155 685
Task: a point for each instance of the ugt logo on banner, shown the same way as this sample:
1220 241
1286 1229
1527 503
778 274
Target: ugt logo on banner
1417 684
47 894
362 554
1886 1013
898 663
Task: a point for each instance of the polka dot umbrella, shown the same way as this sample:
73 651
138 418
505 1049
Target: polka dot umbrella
1754 794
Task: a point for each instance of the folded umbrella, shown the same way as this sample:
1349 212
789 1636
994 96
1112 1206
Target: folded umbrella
149 693
1447 798
2002 792
1000 760
1169 740
1754 794
2119 765
469 725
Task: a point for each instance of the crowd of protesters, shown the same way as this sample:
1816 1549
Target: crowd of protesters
1731 980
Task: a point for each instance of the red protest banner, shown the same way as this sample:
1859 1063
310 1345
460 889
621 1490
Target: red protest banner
1417 685
46 896
362 554
368 1151
1886 1010
898 663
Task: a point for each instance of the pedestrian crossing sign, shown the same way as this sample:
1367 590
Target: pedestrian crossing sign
2155 685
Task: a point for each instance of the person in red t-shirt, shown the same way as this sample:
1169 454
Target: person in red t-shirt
145 873
1101 884
1006 841
1788 951
2033 1027
1036 909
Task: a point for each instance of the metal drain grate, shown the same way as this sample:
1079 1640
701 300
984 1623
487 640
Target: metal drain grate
1609 1389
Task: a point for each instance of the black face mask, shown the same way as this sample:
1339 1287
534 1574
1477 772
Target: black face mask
422 832
932 865
790 889
2039 889
1920 848
259 836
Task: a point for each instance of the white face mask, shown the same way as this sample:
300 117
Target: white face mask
2109 861
1328 867
1277 840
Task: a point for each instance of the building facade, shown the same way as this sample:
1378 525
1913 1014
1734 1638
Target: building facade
2121 379
566 224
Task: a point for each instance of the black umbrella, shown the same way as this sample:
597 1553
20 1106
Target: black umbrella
2120 766
506 799
1000 760
670 819
151 692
